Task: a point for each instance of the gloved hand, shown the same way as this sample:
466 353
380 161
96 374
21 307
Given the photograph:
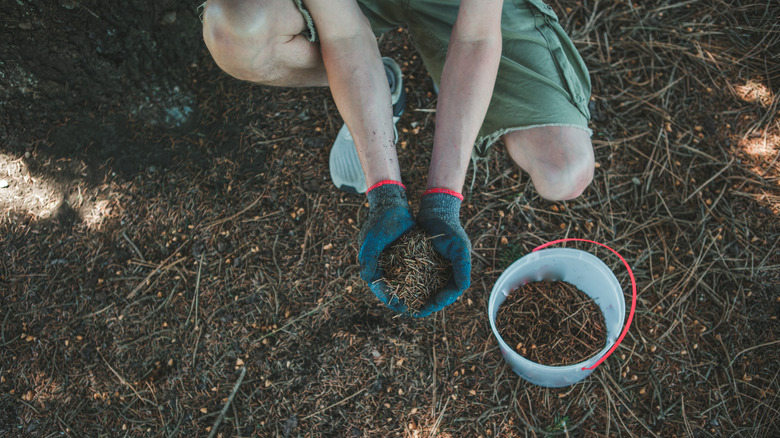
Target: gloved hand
439 216
388 219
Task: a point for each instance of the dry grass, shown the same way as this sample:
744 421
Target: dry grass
221 294
413 270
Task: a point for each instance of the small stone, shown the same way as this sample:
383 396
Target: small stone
168 18
3 184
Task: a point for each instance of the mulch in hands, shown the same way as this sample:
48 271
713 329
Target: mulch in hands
413 269
552 323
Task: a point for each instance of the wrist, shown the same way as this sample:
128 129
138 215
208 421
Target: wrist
449 177
386 182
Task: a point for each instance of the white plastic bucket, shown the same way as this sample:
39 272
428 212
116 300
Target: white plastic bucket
574 266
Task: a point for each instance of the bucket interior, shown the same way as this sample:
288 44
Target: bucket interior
587 273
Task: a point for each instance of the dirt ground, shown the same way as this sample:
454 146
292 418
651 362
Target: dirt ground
174 260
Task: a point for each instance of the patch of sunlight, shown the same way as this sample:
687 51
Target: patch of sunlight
761 147
755 92
95 214
23 192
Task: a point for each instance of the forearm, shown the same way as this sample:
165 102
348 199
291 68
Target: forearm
466 88
359 86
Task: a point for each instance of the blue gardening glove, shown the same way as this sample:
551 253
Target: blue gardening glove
439 216
388 219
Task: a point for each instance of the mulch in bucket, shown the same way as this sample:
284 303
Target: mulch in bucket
552 323
413 269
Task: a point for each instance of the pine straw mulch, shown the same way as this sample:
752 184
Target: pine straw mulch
221 297
413 270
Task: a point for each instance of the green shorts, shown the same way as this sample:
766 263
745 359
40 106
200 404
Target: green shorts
542 80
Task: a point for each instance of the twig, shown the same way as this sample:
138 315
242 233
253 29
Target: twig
132 245
765 344
435 427
227 404
98 312
122 379
197 293
338 403
706 183
220 221
274 140
134 292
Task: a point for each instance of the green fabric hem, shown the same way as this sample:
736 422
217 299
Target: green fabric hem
311 32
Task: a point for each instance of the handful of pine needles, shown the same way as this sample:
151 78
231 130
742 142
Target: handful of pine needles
413 270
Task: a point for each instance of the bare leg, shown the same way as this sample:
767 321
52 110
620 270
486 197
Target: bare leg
260 41
559 159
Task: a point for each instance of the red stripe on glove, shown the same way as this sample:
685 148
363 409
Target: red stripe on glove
445 191
385 182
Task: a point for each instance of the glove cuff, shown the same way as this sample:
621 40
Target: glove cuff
445 191
440 204
387 194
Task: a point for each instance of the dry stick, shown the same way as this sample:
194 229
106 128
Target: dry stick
122 379
134 292
685 281
98 312
220 221
292 321
2 331
706 183
765 344
132 245
195 303
197 293
274 140
685 416
236 423
435 427
156 403
195 349
433 397
227 404
617 396
338 403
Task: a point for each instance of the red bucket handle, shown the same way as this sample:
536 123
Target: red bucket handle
633 287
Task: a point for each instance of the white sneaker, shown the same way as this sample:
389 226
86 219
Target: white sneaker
345 169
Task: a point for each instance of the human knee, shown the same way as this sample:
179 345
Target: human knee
237 33
566 178
559 159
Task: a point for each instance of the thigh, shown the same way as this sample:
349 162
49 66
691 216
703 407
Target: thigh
541 70
384 15
430 25
541 80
